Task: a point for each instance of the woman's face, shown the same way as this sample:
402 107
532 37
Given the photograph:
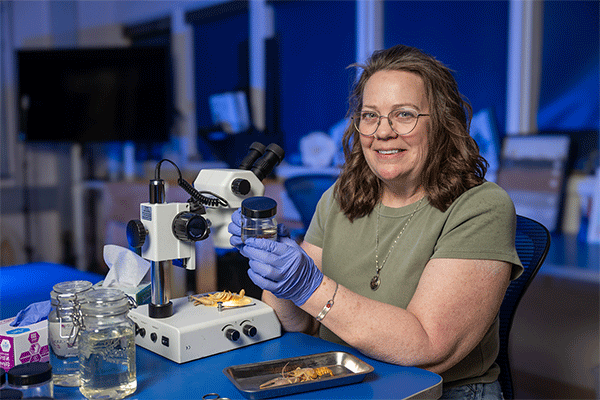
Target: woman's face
396 160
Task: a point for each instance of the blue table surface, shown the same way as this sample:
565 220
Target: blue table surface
160 378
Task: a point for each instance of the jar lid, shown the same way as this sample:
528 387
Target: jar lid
259 207
30 374
72 287
104 301
63 292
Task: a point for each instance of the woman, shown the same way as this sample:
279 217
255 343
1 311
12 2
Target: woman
409 255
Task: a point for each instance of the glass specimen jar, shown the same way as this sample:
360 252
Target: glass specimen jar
106 345
62 334
258 218
32 379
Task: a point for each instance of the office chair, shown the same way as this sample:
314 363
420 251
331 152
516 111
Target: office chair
532 243
305 192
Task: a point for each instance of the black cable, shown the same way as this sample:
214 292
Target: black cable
157 170
196 195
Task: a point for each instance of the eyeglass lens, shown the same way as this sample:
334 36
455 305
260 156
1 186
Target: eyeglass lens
402 121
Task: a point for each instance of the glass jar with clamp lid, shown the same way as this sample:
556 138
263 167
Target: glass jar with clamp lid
106 344
62 334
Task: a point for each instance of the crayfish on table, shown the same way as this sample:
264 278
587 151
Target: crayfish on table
296 376
227 298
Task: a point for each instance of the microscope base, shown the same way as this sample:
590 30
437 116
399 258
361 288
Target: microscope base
194 332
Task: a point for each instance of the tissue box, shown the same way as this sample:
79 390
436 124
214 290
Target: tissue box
23 344
140 293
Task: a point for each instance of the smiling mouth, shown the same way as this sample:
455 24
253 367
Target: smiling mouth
385 152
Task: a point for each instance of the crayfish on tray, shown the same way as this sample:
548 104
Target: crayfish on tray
227 298
296 376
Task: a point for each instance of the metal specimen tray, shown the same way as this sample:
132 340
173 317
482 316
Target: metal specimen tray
248 378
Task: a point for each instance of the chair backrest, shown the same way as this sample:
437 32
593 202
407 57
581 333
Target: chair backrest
305 192
532 243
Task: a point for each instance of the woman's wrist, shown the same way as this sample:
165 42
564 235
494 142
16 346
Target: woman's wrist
292 318
316 304
328 305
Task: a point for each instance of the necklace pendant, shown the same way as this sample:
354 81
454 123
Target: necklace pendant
375 282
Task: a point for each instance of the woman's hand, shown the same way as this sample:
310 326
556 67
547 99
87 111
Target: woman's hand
235 229
282 268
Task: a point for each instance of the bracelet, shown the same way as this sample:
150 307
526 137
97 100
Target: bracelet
328 306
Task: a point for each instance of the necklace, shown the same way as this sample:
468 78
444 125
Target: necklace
376 281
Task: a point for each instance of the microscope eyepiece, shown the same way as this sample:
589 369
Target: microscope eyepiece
264 166
256 150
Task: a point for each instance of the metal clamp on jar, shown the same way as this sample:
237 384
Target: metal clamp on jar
106 344
62 335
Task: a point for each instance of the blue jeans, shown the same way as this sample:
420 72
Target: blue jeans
475 391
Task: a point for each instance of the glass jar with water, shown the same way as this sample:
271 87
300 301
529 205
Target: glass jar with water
62 334
258 218
106 345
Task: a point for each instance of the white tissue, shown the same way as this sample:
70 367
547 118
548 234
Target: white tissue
127 269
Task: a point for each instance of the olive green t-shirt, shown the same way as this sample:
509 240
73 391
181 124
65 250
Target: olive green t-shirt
480 224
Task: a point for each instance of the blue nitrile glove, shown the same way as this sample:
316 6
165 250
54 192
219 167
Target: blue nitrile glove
282 232
235 229
283 268
35 312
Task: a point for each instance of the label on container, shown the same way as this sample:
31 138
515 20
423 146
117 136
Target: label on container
59 338
146 213
7 360
23 344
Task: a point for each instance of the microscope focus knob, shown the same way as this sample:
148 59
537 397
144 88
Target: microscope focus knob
240 186
249 330
136 233
232 335
190 227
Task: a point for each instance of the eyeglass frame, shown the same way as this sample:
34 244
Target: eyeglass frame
389 122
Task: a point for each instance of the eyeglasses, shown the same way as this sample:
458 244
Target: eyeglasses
402 121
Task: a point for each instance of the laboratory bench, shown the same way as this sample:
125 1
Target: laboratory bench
160 378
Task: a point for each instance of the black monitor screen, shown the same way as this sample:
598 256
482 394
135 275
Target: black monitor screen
90 95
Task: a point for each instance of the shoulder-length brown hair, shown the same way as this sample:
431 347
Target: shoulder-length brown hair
453 164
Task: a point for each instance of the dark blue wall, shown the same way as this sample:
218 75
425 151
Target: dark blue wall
308 82
569 93
221 65
470 37
316 44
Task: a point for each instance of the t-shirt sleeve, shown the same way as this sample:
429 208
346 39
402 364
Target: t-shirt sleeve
481 225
